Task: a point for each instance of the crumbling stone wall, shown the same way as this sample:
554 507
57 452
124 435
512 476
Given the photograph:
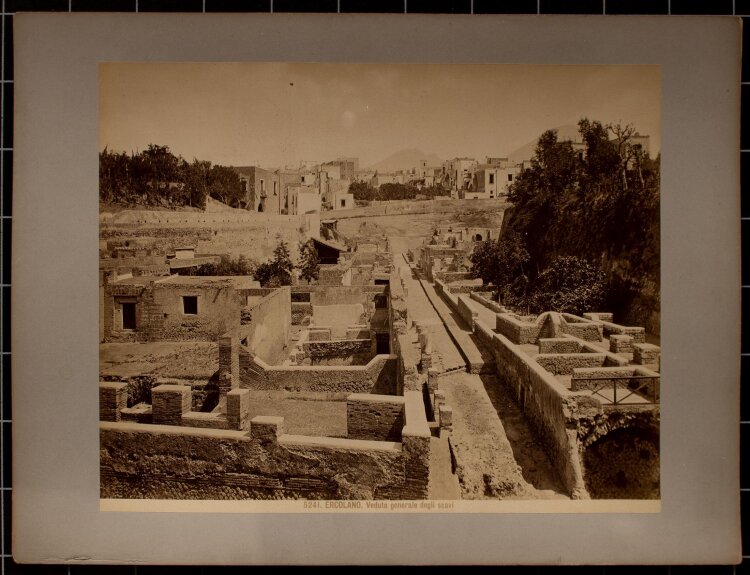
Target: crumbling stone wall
374 417
147 461
378 376
483 298
112 294
218 312
547 406
159 313
338 352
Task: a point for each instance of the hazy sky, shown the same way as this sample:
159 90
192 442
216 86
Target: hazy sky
275 114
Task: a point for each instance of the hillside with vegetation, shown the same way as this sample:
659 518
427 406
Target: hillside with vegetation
156 177
585 224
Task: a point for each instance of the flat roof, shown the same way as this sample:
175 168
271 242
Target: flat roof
137 280
332 245
238 281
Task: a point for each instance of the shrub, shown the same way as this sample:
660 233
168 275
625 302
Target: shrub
570 284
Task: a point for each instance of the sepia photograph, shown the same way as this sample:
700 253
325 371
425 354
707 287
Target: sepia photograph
352 283
399 303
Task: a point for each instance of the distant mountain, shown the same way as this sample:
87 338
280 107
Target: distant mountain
406 160
526 152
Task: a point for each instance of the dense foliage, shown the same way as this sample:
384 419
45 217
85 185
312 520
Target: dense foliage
227 267
309 263
156 177
600 205
363 191
569 284
278 271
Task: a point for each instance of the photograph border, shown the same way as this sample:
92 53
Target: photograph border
55 517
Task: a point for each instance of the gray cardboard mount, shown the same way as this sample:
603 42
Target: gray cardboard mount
56 514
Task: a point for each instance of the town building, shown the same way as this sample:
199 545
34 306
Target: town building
458 174
493 179
261 189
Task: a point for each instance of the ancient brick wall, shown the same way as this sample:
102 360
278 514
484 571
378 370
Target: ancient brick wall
339 352
112 329
374 417
548 406
218 312
565 363
516 329
147 461
378 376
486 302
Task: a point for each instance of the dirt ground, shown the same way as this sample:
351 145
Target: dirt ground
302 416
182 360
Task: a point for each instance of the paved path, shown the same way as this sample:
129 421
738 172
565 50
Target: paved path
486 460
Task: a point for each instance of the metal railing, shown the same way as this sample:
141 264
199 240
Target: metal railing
647 389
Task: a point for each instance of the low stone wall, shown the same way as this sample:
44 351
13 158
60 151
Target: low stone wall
516 329
565 363
446 294
559 345
172 404
150 461
409 378
492 305
605 321
378 376
374 417
466 312
449 277
585 331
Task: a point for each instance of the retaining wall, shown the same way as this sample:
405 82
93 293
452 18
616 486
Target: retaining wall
374 417
149 461
378 376
492 305
547 405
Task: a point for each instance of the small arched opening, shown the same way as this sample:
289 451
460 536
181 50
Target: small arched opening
624 464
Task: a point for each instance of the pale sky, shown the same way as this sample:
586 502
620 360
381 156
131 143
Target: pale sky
276 114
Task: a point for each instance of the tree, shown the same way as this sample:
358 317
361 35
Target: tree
278 271
598 202
224 185
309 265
499 262
571 285
228 267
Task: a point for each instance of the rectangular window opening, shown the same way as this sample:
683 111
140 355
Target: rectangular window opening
190 304
128 316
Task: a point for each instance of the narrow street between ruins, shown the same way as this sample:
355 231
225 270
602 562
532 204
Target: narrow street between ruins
496 454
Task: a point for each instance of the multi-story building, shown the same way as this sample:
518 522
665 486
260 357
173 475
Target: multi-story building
348 167
493 179
261 189
457 175
303 200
